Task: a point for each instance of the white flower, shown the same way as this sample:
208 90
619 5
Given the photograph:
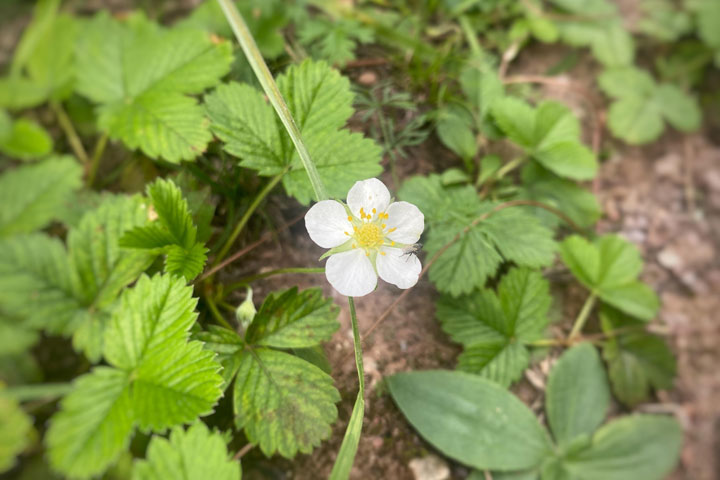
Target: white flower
367 237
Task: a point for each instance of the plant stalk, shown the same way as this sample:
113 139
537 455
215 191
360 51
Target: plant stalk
249 279
254 57
583 316
72 136
95 161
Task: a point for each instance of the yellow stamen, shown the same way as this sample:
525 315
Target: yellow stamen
367 254
383 226
392 229
382 253
349 218
374 211
346 234
392 243
354 246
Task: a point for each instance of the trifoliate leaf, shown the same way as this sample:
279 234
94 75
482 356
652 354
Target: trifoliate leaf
599 28
31 196
542 185
174 233
609 268
157 380
228 346
637 361
140 75
631 448
293 320
320 100
24 140
510 234
285 404
94 424
15 428
192 454
43 65
550 134
495 328
471 419
637 114
577 396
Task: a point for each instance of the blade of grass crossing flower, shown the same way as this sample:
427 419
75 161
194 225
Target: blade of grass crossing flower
348 449
254 57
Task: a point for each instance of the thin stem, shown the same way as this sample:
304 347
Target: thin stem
470 36
215 312
508 167
254 57
248 213
95 161
357 346
40 391
583 316
249 279
70 133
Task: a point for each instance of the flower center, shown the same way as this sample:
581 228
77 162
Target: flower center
369 235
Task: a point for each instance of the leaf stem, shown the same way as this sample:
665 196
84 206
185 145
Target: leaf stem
95 161
469 32
215 312
583 316
246 216
251 278
254 57
72 136
348 449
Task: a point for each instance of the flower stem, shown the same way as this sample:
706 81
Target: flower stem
95 161
247 280
254 57
583 316
215 312
72 136
348 449
243 221
40 391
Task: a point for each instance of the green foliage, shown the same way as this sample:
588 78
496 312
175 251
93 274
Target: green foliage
71 292
334 40
609 267
641 105
637 361
471 419
157 380
664 20
141 75
285 403
707 17
31 196
597 25
492 236
550 134
192 454
22 138
43 65
320 101
173 233
15 430
494 329
484 426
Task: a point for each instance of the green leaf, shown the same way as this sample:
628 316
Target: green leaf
94 424
174 233
707 14
31 196
550 134
228 346
15 430
157 380
43 66
510 234
25 140
637 447
539 184
141 75
577 396
494 329
637 361
635 120
320 101
334 40
481 88
609 268
471 419
192 454
455 133
15 338
293 320
681 110
285 404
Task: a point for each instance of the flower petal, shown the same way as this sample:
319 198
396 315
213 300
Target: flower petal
408 221
351 273
400 269
326 223
368 194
